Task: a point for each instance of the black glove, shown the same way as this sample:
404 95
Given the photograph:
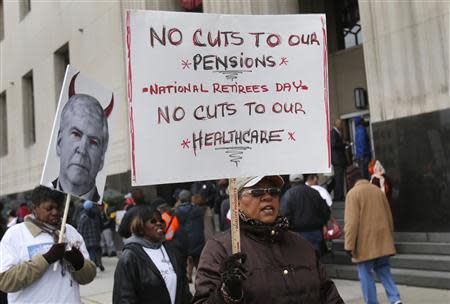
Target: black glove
55 253
349 253
233 274
74 257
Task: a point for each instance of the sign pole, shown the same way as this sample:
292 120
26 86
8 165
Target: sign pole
63 225
234 210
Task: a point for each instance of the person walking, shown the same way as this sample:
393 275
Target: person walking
369 236
170 221
275 265
338 159
149 270
191 221
307 212
312 180
90 229
208 216
108 230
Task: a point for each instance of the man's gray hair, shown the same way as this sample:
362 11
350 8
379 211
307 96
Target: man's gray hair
89 106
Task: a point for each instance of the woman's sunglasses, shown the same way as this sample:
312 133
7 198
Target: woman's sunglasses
258 192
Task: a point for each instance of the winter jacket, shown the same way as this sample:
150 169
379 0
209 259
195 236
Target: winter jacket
191 221
137 280
305 209
90 229
282 268
207 190
369 228
362 142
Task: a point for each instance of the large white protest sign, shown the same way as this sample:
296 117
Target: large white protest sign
216 96
77 153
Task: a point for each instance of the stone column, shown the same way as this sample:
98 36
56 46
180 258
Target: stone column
406 56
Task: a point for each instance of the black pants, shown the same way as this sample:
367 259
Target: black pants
3 297
95 254
339 172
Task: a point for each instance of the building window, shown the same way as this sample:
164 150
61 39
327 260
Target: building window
2 21
28 109
3 126
25 8
351 23
61 60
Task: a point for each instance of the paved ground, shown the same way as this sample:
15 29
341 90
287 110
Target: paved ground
100 291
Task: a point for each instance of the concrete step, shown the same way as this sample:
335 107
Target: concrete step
413 237
338 213
422 278
423 248
405 261
434 237
340 221
338 205
408 247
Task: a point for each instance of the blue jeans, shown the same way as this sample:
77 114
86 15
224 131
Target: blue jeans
382 268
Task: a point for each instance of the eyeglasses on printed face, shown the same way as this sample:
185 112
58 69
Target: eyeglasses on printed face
258 192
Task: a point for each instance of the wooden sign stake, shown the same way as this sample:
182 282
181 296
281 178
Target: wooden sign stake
63 225
234 210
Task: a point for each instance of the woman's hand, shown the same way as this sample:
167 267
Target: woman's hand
55 253
233 274
74 257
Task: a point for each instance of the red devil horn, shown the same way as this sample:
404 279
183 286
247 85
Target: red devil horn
72 85
109 108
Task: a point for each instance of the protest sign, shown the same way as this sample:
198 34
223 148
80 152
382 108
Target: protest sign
216 96
77 154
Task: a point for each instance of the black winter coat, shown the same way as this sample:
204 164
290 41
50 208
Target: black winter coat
283 268
305 209
137 280
191 219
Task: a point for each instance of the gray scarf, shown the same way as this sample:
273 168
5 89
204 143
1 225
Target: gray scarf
143 242
50 229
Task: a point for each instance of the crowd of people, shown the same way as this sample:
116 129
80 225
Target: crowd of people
162 246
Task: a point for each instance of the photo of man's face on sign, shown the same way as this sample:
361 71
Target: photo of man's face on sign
76 156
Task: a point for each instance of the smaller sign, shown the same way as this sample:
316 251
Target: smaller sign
77 153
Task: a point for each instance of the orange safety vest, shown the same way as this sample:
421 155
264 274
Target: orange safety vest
174 225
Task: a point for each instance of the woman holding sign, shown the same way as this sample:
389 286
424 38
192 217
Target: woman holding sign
29 250
275 265
149 270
